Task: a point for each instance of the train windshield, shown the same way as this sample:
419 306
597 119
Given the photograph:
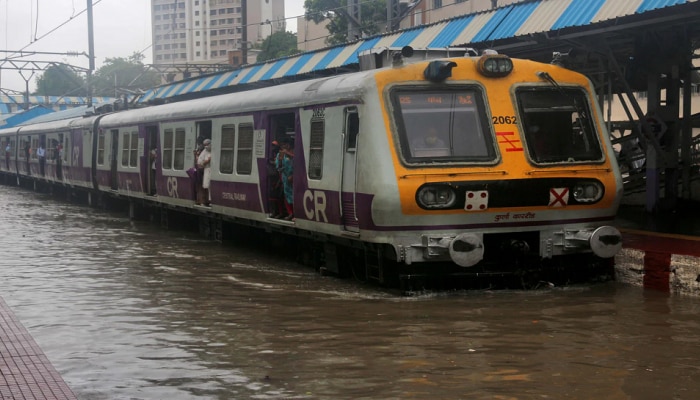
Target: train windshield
558 126
447 125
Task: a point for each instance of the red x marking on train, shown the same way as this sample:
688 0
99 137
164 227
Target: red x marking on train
558 197
514 144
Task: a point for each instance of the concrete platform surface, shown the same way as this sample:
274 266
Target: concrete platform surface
25 371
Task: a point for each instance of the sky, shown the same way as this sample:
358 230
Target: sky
121 28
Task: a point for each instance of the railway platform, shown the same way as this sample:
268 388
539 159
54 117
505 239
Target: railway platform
661 251
25 371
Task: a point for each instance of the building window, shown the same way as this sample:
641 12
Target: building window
437 4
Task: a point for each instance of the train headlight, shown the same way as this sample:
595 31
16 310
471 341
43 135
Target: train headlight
495 65
436 196
587 192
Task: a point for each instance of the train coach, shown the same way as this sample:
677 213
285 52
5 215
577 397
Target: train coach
465 161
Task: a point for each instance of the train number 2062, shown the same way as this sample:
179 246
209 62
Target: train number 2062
504 120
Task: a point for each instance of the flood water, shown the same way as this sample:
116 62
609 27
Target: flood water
125 310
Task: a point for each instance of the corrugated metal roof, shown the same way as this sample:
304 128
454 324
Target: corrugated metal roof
514 20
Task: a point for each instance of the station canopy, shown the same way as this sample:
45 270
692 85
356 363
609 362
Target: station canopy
530 29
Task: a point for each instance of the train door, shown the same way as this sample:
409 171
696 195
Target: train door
351 130
41 154
152 155
58 154
113 157
280 130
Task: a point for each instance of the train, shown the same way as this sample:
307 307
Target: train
429 164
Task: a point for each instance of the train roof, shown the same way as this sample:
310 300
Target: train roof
290 95
523 27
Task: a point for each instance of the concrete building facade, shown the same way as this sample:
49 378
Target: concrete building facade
205 31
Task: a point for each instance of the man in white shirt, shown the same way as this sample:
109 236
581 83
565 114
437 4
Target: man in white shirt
41 154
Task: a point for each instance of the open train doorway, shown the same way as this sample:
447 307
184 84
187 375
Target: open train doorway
153 156
280 184
113 157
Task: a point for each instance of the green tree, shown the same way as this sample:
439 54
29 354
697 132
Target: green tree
60 80
119 75
279 44
373 15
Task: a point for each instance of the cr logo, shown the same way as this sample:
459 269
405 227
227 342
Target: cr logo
172 187
315 205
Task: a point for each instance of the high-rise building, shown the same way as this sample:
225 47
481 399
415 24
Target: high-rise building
206 31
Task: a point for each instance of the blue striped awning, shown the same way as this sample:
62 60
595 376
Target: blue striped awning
515 20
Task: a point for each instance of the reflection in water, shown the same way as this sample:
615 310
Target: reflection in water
125 310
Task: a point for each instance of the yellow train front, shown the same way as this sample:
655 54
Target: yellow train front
495 159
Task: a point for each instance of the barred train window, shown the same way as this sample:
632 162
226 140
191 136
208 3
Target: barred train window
125 149
101 148
133 159
316 148
35 145
179 149
168 149
130 144
244 163
228 142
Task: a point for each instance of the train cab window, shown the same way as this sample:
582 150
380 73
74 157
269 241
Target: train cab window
244 157
557 125
226 154
447 125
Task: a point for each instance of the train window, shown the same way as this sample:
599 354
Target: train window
318 128
244 162
133 151
35 145
168 148
126 139
130 144
228 142
67 150
100 148
447 125
179 149
557 125
352 128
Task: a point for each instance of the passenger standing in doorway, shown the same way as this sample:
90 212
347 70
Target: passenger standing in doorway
285 165
204 163
8 150
27 155
59 160
41 154
198 172
152 183
277 207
